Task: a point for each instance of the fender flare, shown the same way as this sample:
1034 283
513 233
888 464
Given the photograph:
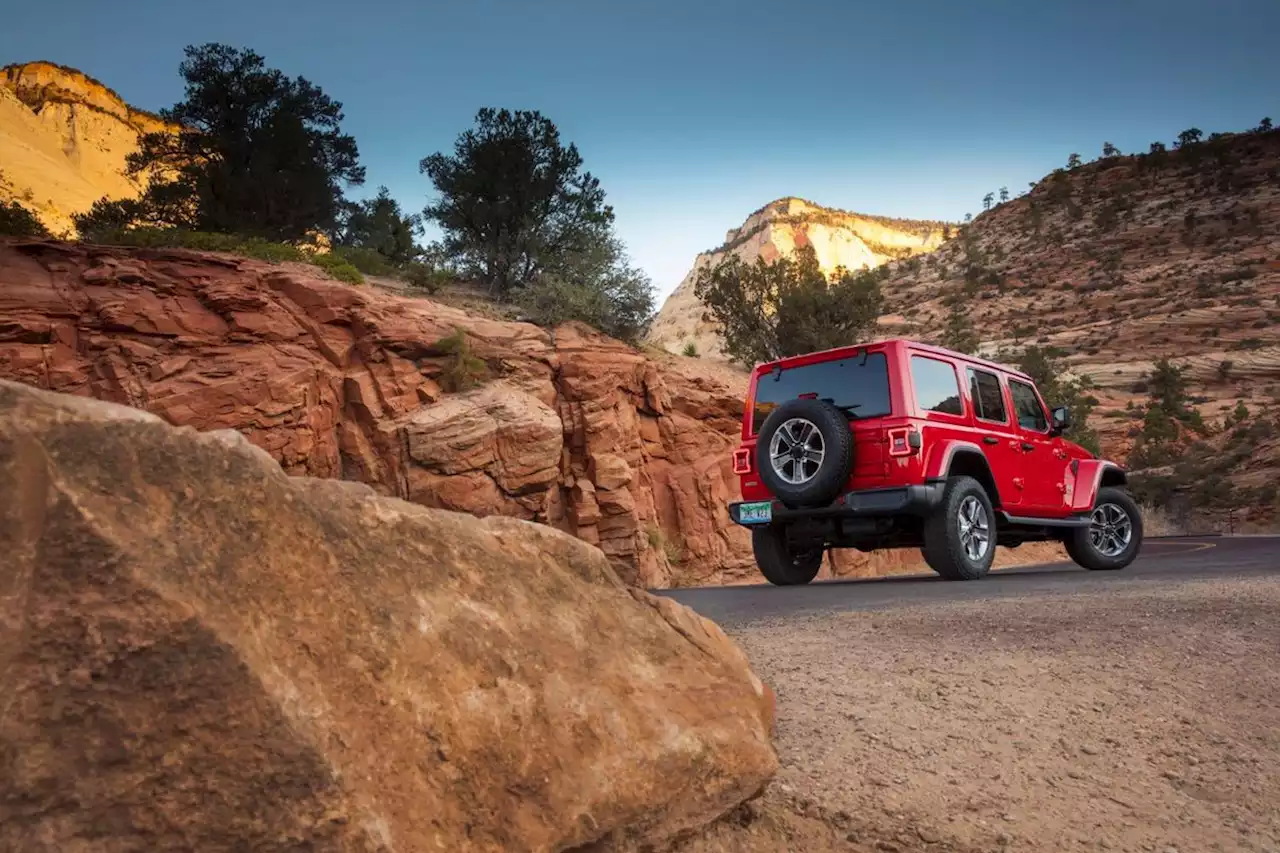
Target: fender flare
1089 476
943 454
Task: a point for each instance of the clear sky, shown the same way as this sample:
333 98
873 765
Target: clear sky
693 113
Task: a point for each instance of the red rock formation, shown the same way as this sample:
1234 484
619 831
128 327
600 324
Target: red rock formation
574 430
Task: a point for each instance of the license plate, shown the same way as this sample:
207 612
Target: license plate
760 512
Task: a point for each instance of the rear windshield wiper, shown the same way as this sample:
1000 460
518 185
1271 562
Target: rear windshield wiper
847 408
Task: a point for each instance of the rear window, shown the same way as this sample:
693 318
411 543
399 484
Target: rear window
858 386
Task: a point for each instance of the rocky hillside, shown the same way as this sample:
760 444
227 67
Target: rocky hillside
64 138
839 238
1121 262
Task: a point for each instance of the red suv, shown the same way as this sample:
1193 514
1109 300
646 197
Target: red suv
899 444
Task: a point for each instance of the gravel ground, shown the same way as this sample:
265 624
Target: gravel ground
1135 720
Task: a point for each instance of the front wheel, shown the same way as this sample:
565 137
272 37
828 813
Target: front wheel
1114 535
780 564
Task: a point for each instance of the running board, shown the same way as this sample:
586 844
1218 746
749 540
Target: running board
1045 522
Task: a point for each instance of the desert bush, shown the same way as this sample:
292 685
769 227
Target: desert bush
425 277
234 244
659 541
1159 521
367 261
338 267
463 370
690 349
620 310
203 241
17 221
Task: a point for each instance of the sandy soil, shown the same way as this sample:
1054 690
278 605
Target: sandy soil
1137 721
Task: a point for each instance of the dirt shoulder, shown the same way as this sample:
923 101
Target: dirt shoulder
1144 720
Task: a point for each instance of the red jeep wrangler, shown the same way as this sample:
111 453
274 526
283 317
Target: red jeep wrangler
899 444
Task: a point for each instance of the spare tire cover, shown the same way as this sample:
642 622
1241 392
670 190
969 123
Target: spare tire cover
804 453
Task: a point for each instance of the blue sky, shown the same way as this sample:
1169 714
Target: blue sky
695 112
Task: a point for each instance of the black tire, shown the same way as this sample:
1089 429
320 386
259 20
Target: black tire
944 546
1081 547
779 564
836 463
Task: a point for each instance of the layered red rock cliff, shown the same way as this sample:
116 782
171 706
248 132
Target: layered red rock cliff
571 429
574 430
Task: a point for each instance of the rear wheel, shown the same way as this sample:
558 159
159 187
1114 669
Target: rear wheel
1114 535
960 534
780 564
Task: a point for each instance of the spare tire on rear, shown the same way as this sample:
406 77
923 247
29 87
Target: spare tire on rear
804 453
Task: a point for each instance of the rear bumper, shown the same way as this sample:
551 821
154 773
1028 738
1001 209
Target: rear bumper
871 503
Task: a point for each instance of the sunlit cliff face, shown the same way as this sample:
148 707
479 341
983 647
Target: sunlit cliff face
839 239
64 138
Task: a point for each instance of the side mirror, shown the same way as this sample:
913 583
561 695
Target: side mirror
1061 420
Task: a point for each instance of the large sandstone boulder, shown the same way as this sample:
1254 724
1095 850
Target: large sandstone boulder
200 652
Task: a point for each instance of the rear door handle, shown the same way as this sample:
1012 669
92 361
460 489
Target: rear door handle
1028 446
990 439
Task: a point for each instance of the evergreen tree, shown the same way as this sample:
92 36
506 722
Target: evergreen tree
1188 137
1109 150
514 202
259 154
959 334
986 201
788 307
17 221
1004 194
378 224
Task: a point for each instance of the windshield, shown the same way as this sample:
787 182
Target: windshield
858 386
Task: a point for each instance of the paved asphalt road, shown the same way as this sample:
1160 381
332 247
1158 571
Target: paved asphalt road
1161 561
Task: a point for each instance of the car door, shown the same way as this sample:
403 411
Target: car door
1042 465
997 434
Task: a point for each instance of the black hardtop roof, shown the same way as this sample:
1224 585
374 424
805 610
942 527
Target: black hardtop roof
917 346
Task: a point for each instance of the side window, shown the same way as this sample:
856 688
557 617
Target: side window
1027 405
936 387
988 399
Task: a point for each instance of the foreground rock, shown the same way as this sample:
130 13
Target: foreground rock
199 652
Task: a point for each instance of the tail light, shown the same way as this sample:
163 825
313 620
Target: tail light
742 460
904 441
